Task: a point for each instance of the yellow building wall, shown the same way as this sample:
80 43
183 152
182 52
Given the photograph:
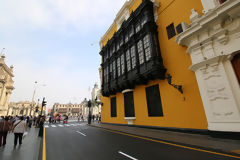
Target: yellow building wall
181 111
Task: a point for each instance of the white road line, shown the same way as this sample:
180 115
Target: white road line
81 133
46 126
53 126
60 125
127 155
67 125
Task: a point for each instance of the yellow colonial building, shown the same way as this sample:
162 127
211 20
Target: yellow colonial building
147 77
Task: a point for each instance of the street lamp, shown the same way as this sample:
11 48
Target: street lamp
34 91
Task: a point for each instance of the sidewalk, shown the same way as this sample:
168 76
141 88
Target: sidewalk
194 140
29 150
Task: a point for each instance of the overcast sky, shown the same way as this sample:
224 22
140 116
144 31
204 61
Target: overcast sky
56 43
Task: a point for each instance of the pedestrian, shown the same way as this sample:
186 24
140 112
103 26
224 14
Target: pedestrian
34 120
99 118
5 127
30 122
41 124
78 118
93 117
18 129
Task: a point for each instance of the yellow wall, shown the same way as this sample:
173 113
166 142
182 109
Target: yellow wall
188 113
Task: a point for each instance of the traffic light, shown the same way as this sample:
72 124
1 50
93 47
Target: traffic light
44 103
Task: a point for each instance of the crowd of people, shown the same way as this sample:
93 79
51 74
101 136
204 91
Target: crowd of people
19 125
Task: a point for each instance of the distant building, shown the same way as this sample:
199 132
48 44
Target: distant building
67 109
6 85
96 109
24 108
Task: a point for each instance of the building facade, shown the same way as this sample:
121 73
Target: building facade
6 85
212 41
23 108
145 74
72 110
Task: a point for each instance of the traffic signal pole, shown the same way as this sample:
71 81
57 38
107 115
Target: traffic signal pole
43 104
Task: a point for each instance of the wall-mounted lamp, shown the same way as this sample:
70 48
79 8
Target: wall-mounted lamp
178 87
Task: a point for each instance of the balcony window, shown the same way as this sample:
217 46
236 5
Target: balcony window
144 20
118 67
131 32
117 46
110 71
110 52
126 38
140 52
128 59
122 63
146 44
114 69
121 40
113 48
138 27
133 56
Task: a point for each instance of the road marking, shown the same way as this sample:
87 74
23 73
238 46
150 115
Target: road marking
127 155
171 144
53 126
67 125
60 125
81 133
46 126
44 146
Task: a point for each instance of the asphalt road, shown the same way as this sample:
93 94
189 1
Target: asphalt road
83 142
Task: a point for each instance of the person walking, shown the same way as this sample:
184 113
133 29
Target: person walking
5 126
41 124
18 129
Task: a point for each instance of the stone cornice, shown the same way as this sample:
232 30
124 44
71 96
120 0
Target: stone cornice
7 69
229 8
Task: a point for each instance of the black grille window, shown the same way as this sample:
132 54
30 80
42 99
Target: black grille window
154 101
126 38
133 56
138 27
122 63
118 67
129 104
128 60
171 31
140 52
121 40
113 48
113 107
146 44
114 69
131 31
110 71
117 46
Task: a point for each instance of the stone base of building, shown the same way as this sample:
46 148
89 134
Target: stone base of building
215 134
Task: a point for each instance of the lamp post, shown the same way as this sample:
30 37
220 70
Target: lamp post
89 104
34 91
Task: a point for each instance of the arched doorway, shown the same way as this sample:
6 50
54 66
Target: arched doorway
236 65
